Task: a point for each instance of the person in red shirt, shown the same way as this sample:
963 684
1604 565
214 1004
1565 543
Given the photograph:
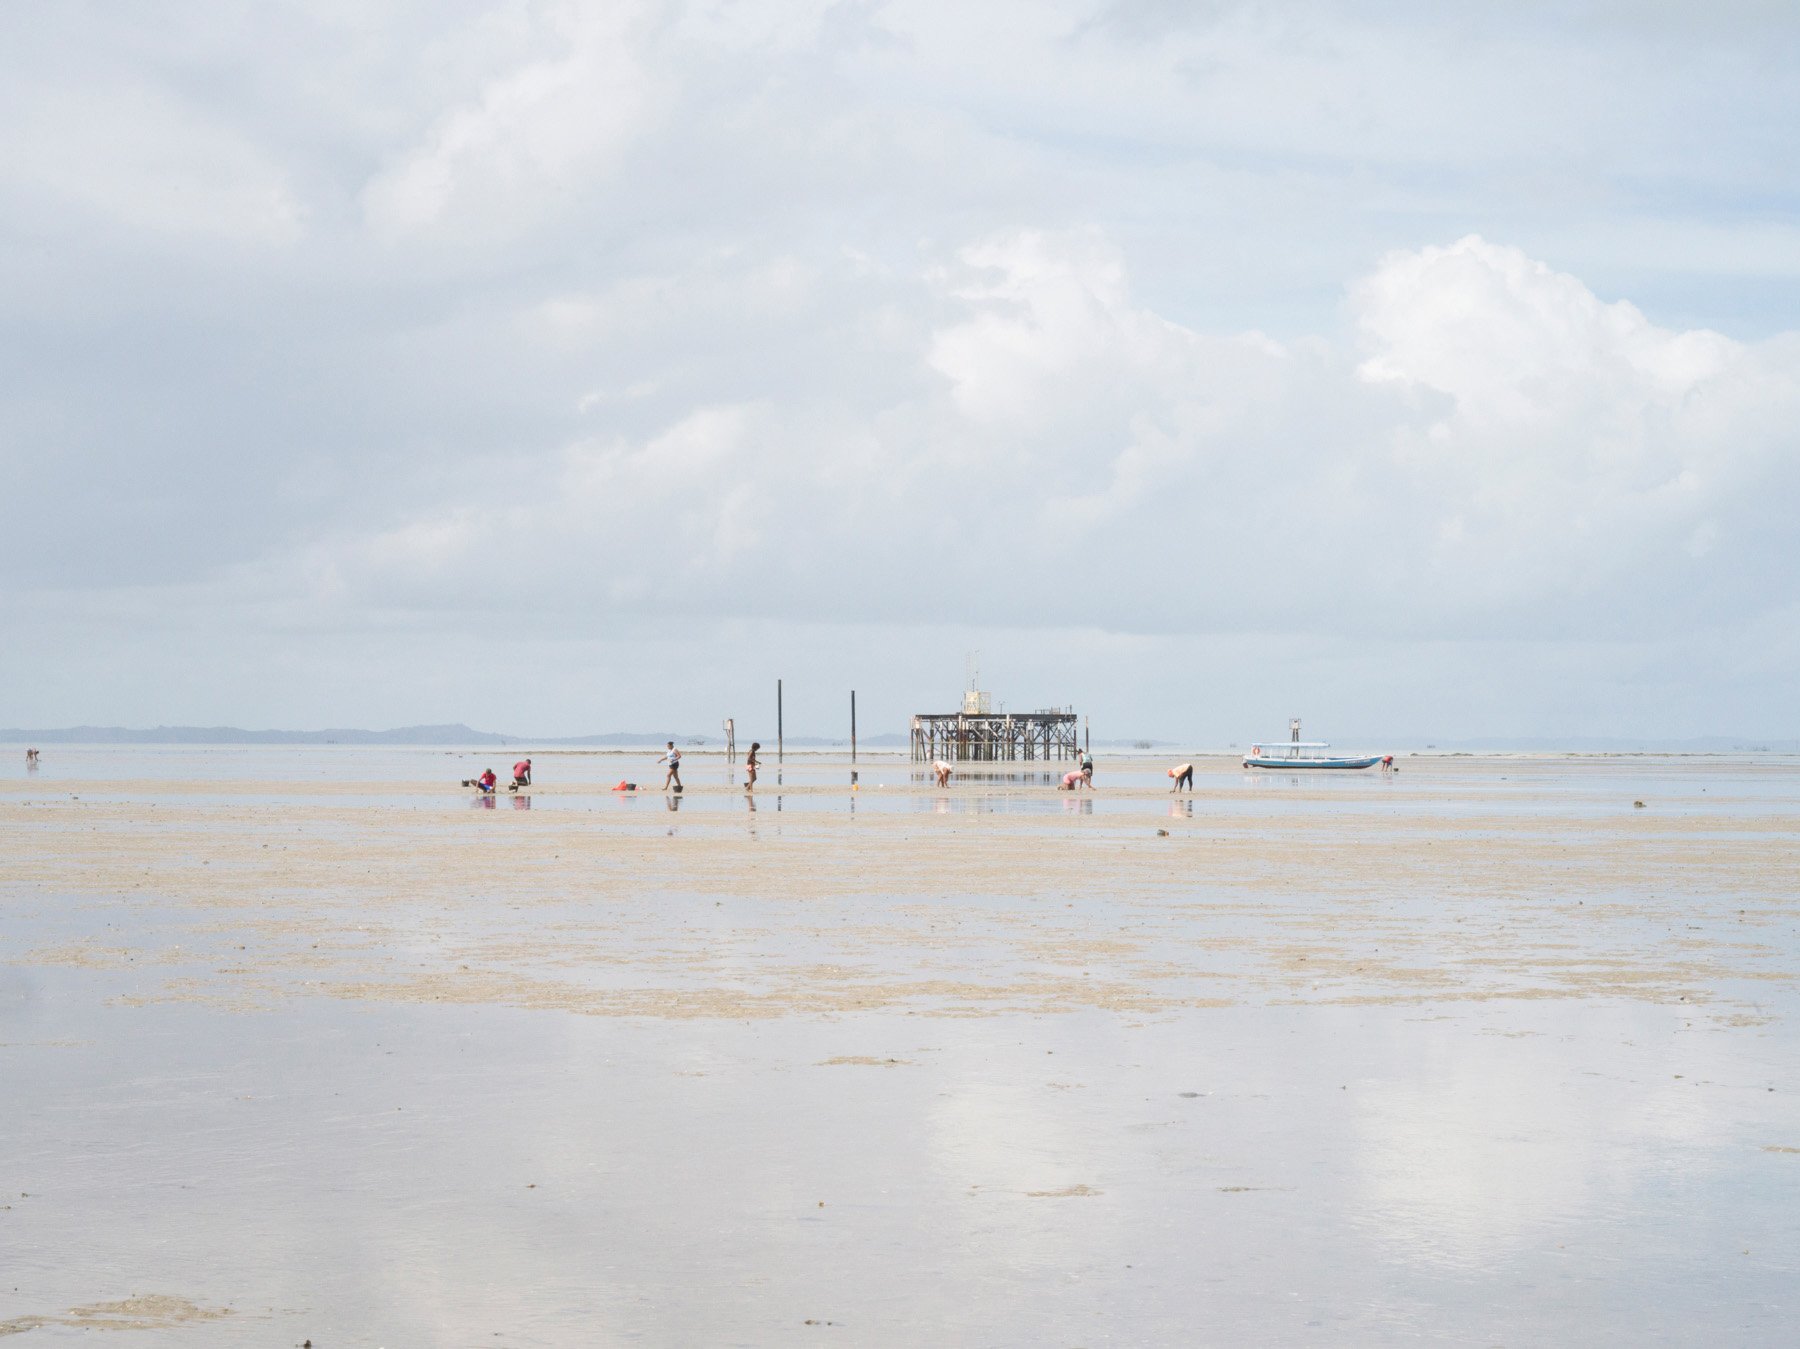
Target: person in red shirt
521 775
485 783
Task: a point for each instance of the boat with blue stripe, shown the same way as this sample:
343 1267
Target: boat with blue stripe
1295 754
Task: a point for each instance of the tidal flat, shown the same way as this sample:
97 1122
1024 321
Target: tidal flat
312 1044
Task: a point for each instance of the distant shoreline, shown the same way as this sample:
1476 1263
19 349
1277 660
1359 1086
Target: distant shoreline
460 737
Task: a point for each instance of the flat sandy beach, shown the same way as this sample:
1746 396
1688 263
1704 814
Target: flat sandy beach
1483 1052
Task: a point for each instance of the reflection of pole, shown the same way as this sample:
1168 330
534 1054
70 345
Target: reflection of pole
779 753
852 725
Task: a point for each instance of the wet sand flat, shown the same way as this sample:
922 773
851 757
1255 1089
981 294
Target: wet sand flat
1483 1052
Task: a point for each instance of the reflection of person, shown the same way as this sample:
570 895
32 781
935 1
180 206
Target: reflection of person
942 770
1183 775
1076 780
750 765
521 774
673 759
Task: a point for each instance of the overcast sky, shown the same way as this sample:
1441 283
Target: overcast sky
1427 370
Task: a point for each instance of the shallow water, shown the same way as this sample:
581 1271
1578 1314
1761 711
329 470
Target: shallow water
1478 1055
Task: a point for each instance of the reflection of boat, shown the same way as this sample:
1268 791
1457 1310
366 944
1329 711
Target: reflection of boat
1293 755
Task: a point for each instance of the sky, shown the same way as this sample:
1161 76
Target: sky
1428 371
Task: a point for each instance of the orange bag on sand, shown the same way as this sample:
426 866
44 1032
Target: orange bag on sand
625 786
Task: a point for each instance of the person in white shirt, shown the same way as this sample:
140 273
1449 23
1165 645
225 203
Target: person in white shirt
943 770
673 759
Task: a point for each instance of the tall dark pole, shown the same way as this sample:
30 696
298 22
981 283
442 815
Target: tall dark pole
852 725
780 754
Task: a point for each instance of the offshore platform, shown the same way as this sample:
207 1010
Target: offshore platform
978 732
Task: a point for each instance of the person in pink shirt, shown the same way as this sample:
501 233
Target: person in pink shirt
1075 781
485 783
521 775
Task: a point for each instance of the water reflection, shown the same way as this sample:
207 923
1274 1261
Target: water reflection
1181 810
483 803
984 778
1414 1192
521 803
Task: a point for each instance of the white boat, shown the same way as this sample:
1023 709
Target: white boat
1295 754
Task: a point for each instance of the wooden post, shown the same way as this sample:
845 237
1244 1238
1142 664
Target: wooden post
852 725
780 754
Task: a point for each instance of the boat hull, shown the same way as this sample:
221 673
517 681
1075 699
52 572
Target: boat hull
1266 762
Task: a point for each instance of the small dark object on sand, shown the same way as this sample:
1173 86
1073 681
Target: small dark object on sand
1162 833
1637 805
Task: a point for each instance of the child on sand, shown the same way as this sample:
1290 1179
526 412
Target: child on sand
942 770
1183 775
750 765
1076 780
673 759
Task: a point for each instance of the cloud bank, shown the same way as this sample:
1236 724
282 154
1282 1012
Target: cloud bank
349 349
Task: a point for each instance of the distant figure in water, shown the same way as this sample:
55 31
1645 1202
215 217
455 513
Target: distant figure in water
1183 775
31 758
521 775
750 765
943 770
1076 780
673 759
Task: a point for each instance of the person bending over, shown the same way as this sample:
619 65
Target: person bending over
1184 777
485 783
942 770
1077 779
521 775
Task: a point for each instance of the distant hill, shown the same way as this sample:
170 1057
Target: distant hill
233 735
460 735
456 734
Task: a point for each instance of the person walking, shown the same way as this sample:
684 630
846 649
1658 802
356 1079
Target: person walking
750 765
673 759
1184 777
1087 766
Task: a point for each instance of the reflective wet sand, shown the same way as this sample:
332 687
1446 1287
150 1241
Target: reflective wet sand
1480 1053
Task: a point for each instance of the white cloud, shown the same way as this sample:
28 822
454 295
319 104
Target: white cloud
548 126
133 154
1497 450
